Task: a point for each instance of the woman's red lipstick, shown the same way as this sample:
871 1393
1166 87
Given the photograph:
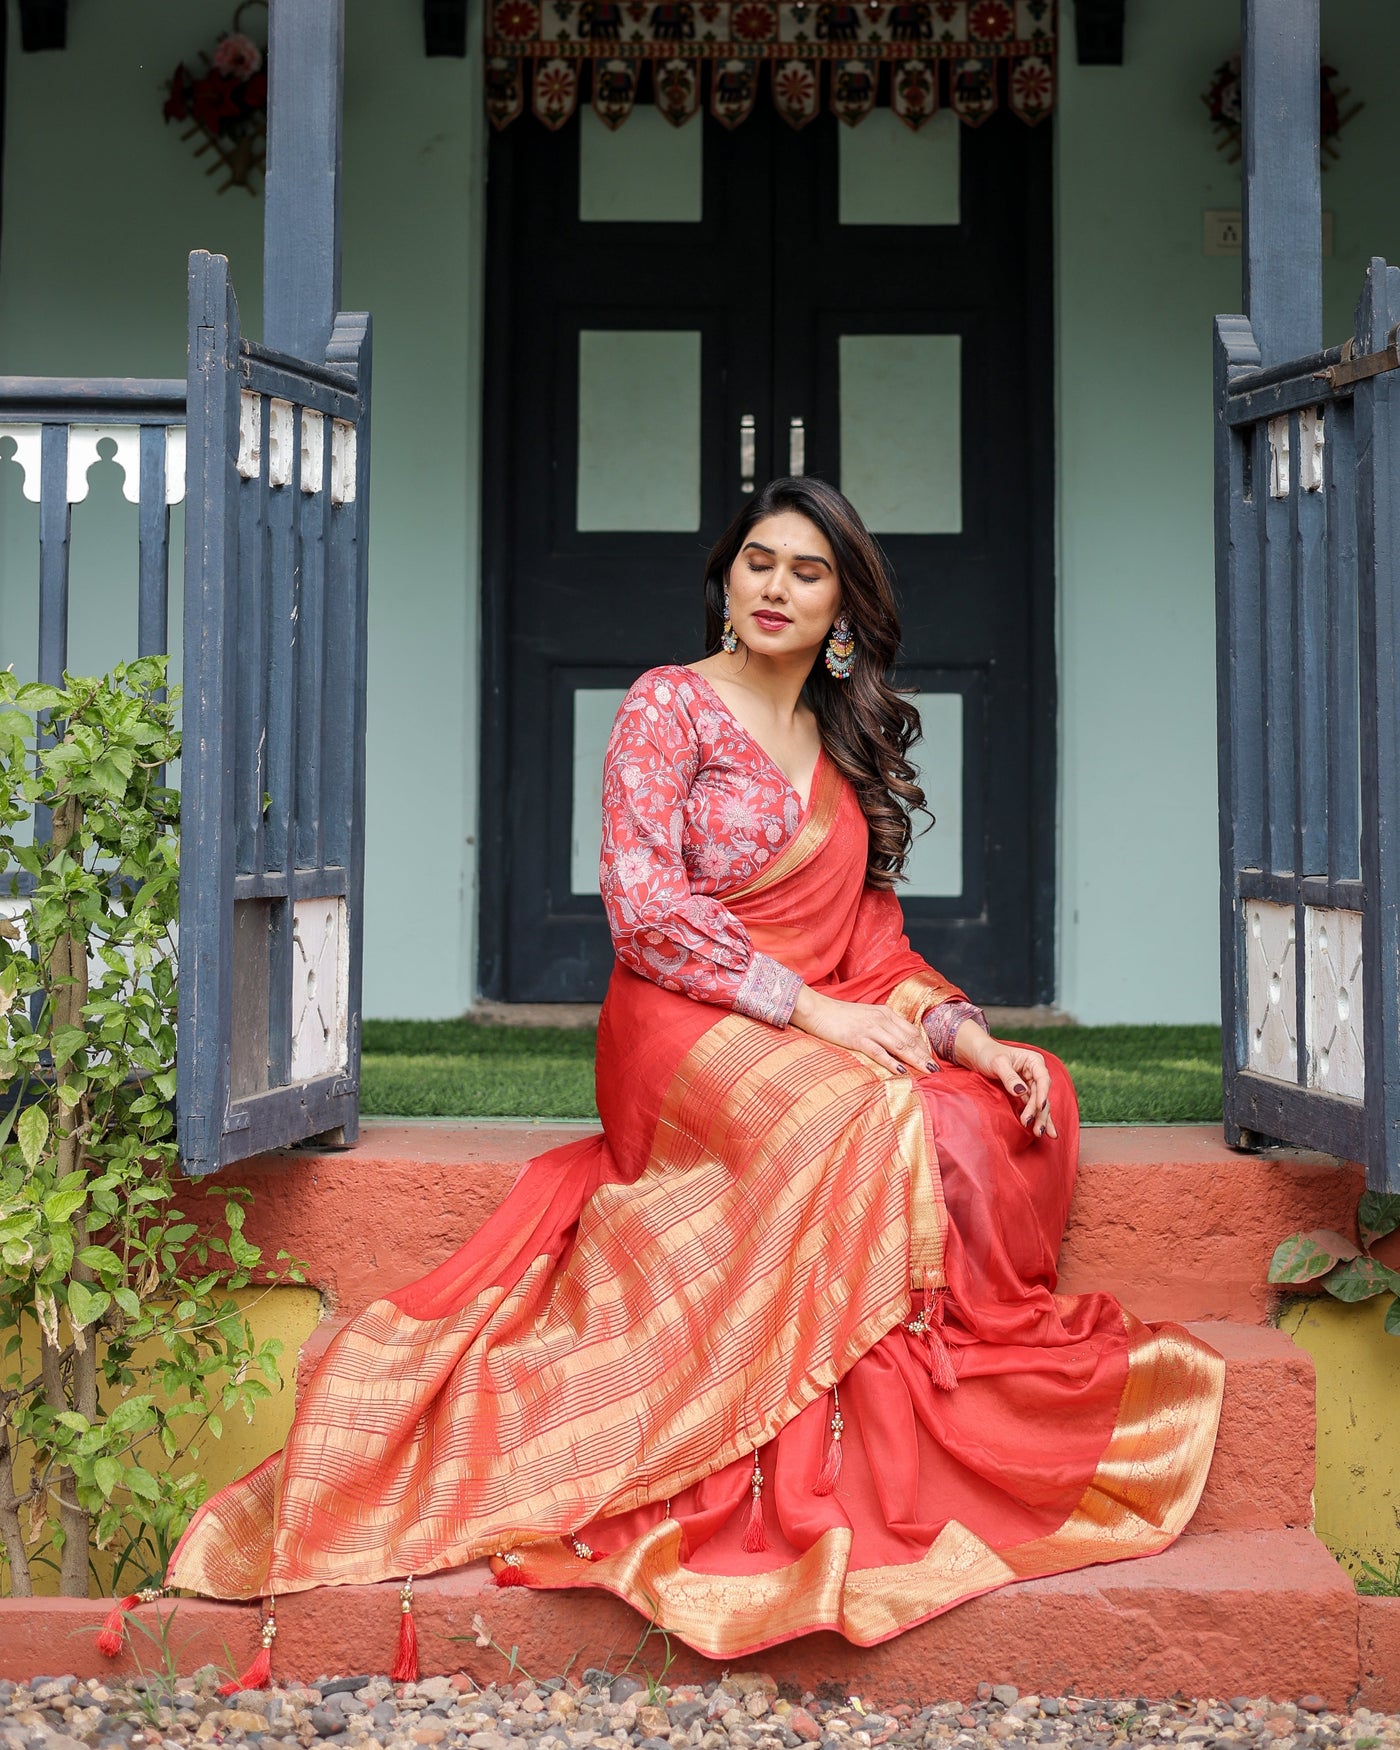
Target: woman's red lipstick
771 622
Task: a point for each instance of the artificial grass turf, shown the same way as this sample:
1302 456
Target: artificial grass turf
464 1069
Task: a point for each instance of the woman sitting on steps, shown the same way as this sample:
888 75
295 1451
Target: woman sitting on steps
780 1350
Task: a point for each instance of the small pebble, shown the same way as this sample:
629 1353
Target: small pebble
635 1709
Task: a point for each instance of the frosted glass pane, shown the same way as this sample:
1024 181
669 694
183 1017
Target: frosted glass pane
889 175
647 172
638 428
901 431
594 710
935 866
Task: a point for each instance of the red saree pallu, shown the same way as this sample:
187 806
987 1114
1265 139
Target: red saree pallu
779 1351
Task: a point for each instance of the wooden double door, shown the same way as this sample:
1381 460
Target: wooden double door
677 315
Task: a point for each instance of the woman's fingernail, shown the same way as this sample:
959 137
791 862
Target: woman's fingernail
932 1067
1021 1088
900 1067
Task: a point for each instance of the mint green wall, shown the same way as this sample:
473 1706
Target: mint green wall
1136 167
102 203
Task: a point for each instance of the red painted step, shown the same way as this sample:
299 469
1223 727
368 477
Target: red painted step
1165 1217
1232 1613
1168 1219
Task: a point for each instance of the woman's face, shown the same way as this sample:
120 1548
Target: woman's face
783 589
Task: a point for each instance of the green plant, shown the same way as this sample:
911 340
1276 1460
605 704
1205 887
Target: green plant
1373 1580
1349 1271
121 1341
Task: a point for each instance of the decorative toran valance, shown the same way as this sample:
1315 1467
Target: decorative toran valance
965 53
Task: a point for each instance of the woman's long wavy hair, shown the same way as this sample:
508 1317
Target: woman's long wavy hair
867 725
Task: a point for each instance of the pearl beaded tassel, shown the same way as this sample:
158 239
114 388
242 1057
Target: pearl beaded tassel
830 1473
755 1537
405 1666
111 1637
259 1673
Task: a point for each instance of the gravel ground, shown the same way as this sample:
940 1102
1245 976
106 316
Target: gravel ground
606 1712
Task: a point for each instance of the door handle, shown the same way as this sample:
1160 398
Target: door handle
746 451
797 447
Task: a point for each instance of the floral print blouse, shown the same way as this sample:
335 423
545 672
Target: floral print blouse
691 803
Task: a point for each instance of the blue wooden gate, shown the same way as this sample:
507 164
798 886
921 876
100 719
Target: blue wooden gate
272 849
271 455
270 450
1308 573
1307 540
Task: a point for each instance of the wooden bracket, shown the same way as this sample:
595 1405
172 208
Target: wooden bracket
1098 32
445 27
43 24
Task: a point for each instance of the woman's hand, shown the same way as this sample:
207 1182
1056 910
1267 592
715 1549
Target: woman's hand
874 1029
1020 1071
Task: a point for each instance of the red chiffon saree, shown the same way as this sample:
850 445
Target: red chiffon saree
639 1374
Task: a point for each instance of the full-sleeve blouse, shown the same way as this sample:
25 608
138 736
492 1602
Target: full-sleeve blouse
687 808
691 803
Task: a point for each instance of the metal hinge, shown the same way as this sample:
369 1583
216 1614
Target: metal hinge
1353 369
237 1121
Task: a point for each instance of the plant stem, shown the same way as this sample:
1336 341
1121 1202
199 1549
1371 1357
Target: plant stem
68 983
11 1531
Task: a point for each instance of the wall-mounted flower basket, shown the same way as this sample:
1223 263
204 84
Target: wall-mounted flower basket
225 106
1223 104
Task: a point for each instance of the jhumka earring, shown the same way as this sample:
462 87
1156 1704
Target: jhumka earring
841 649
729 638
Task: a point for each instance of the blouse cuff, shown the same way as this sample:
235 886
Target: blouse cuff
942 1023
769 992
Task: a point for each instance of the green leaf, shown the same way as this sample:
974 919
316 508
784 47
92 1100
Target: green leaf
1377 1214
127 1301
130 1414
60 1206
107 1474
85 1306
101 1258
1392 1318
1361 1278
33 1134
142 1484
1306 1256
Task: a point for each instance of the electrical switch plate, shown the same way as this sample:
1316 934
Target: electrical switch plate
1224 231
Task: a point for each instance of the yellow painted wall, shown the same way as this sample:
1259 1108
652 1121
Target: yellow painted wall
289 1314
1358 1403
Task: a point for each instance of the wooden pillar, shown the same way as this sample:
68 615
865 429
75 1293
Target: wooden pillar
1279 64
301 222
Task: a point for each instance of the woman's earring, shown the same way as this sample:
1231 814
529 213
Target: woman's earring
841 649
729 638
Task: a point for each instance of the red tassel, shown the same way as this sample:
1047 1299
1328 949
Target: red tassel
829 1475
929 1326
755 1537
112 1635
512 1573
259 1673
405 1666
940 1363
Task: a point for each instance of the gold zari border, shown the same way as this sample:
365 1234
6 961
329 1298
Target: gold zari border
1142 1494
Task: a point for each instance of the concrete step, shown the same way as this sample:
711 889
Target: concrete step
1229 1613
1165 1217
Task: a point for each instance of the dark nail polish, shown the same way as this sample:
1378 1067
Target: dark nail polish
1021 1088
900 1067
932 1067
